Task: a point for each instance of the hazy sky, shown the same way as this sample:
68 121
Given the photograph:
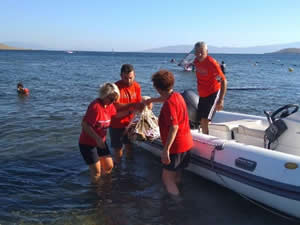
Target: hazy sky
133 25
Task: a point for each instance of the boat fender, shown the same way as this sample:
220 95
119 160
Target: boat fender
274 131
191 100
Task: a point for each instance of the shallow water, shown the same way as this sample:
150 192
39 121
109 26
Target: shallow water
43 177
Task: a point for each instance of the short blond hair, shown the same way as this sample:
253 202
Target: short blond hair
107 89
201 44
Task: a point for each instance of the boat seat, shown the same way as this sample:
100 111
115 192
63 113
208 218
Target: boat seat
251 133
227 130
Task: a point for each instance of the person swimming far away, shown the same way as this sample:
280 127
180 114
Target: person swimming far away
21 90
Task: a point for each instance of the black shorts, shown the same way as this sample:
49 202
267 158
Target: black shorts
117 137
179 161
207 106
91 154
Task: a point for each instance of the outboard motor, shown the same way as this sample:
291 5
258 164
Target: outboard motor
191 100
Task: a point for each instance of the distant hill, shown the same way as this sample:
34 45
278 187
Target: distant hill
227 50
288 50
24 45
6 47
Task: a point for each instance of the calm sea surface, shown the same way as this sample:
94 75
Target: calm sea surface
43 179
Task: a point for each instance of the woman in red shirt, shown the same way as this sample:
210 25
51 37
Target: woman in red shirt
92 141
174 130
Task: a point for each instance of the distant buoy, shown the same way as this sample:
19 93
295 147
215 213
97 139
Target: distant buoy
291 69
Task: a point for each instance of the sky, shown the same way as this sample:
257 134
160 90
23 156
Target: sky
137 25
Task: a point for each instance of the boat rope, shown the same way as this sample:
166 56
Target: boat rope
277 213
225 184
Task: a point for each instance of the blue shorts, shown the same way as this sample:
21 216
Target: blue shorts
117 137
179 161
207 106
91 154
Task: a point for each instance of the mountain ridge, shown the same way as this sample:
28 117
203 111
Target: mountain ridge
227 50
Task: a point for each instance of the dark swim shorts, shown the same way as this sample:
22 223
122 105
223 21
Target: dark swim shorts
91 154
179 161
117 137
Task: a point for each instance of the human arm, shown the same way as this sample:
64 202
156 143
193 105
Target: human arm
160 99
222 79
165 155
220 103
90 131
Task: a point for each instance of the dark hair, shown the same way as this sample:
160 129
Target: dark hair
126 68
20 85
163 80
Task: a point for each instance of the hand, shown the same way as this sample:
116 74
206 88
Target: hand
165 157
147 101
220 105
139 106
100 143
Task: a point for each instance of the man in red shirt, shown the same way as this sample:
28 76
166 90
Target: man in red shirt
174 130
130 101
211 84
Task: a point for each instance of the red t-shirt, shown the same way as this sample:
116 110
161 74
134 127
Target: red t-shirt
127 95
174 112
208 74
99 119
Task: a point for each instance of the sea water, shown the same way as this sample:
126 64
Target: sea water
43 179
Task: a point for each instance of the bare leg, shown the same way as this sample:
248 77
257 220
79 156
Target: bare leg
178 177
95 172
128 148
118 155
169 180
204 125
107 164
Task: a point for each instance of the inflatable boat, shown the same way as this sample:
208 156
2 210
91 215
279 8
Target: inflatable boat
257 157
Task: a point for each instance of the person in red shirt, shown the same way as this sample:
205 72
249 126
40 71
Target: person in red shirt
211 85
21 90
130 100
92 141
174 129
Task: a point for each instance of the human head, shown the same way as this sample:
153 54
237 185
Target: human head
163 80
127 74
20 85
200 50
109 90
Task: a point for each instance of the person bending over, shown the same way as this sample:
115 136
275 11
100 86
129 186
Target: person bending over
92 141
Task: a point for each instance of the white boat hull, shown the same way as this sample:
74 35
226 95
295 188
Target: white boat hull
249 169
